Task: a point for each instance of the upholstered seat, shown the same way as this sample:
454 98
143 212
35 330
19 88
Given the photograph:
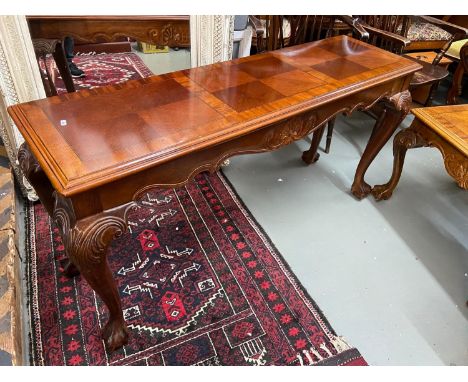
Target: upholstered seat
425 31
426 36
454 50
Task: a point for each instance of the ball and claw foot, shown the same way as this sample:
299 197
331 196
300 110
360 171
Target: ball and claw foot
360 190
306 157
70 270
115 335
381 192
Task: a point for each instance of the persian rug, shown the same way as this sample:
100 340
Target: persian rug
104 69
200 282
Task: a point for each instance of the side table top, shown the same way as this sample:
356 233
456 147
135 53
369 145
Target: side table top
92 137
450 122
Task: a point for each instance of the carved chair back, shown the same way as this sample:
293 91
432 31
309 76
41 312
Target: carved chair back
282 31
397 25
388 28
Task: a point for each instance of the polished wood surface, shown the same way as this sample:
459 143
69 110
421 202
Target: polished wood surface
443 127
92 154
159 30
74 136
450 122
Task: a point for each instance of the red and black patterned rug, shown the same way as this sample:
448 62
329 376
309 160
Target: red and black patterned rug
104 69
200 282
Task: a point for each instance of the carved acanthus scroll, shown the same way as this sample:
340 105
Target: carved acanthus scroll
401 101
419 135
456 163
291 130
86 240
169 34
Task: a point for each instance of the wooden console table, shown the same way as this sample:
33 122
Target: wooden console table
443 127
173 31
91 154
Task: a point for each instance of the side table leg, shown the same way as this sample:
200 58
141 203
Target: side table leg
404 140
86 242
396 109
41 184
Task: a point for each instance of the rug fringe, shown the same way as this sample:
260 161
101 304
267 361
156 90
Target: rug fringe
324 348
340 344
316 353
308 354
337 342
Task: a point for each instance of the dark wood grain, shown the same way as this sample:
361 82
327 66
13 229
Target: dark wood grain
159 30
94 152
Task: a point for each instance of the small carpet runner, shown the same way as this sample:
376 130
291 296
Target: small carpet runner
104 69
200 282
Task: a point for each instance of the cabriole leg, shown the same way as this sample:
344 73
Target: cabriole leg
396 109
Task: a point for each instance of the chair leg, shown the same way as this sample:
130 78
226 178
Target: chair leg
311 155
47 78
431 94
331 125
62 66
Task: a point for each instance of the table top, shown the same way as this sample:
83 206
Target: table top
450 122
92 137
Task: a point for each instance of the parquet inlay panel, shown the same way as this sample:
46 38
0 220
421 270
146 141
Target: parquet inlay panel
248 96
340 68
267 67
290 83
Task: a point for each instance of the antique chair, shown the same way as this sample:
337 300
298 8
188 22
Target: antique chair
427 33
276 32
424 32
388 32
458 52
44 47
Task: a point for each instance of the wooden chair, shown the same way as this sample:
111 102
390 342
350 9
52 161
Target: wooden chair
432 29
458 52
388 32
431 74
44 47
423 32
276 32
